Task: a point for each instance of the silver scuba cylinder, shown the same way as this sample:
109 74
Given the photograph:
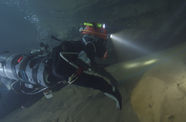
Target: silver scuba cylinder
6 67
29 69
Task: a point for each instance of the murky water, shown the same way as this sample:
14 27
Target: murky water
154 24
17 34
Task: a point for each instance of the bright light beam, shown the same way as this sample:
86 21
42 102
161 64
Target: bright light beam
127 43
149 62
140 64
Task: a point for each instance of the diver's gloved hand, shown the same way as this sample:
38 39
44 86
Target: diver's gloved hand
83 57
116 96
84 62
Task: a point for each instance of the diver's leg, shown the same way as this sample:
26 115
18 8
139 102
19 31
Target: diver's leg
101 70
96 82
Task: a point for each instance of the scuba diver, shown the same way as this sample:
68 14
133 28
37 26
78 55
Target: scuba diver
71 62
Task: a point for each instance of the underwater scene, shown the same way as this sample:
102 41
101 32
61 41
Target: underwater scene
92 61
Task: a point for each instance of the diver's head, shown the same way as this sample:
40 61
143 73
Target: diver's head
95 34
94 29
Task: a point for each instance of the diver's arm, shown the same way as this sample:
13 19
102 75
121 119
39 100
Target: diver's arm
75 53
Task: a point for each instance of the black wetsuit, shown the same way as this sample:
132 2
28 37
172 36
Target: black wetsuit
64 69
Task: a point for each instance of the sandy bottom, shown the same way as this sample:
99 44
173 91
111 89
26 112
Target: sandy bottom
160 95
74 104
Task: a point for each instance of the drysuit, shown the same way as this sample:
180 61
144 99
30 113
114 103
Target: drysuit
69 63
74 59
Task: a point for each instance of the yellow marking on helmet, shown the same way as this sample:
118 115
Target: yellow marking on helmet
90 24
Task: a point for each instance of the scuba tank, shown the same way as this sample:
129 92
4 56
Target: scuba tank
28 70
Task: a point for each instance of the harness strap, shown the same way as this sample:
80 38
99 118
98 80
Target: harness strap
75 75
65 59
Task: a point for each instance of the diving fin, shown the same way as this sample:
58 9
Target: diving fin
116 96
